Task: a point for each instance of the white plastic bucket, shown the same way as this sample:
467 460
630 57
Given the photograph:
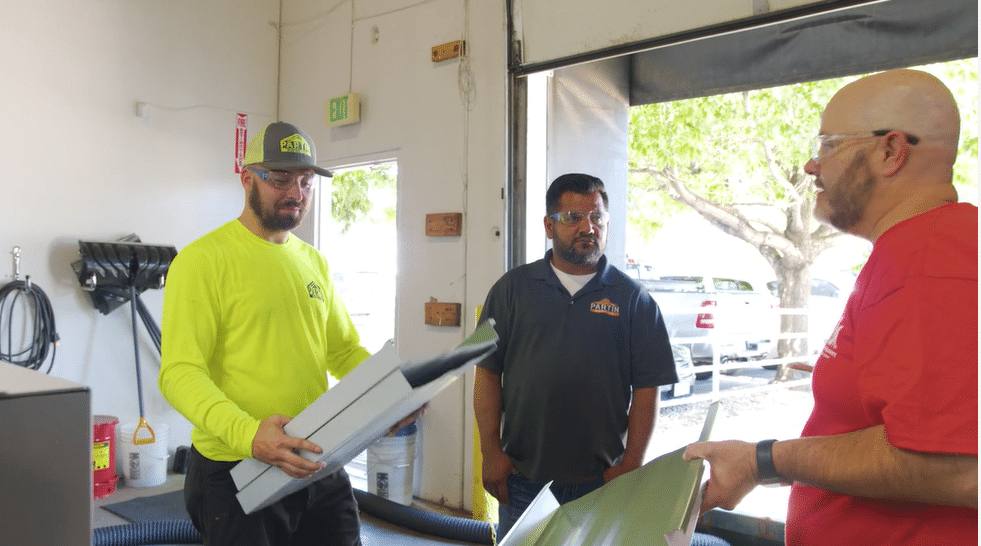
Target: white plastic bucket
142 464
390 462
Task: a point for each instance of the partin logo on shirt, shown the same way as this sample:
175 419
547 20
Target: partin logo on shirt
606 307
315 292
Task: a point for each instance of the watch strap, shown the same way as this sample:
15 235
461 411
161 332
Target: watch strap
765 469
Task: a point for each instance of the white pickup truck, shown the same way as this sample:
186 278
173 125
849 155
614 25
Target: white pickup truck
709 314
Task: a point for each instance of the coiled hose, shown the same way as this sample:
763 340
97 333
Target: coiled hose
178 531
43 334
183 531
450 527
430 523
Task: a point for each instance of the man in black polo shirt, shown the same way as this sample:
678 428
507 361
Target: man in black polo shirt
581 353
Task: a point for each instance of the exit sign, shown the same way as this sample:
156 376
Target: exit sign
344 110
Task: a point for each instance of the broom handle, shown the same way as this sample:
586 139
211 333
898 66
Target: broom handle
136 348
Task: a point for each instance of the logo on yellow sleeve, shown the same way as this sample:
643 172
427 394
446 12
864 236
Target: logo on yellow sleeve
294 144
606 307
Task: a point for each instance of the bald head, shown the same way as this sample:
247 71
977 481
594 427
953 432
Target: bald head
906 100
898 133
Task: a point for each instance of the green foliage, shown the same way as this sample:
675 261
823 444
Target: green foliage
962 78
350 199
718 145
738 159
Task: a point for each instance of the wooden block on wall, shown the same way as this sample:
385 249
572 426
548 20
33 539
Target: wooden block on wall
444 224
450 50
440 313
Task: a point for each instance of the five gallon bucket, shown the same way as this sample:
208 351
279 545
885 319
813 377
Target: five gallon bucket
143 463
103 455
390 465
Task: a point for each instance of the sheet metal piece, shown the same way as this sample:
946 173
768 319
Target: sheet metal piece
655 504
360 408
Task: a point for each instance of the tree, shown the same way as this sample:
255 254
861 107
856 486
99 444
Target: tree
737 159
350 199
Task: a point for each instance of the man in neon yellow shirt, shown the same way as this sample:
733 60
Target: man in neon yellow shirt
251 327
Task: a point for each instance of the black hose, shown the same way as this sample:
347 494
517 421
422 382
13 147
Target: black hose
182 531
705 539
430 523
454 528
44 335
178 531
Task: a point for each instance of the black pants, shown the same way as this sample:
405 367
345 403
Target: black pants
323 514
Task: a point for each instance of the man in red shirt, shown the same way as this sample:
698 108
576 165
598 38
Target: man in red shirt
889 453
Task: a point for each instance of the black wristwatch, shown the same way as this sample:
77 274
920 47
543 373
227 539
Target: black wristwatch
764 464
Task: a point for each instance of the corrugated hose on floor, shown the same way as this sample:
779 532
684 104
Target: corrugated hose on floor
430 523
178 531
183 531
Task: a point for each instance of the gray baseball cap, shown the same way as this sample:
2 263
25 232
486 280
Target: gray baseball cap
281 146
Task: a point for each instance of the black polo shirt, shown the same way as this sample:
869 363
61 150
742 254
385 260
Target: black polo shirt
568 364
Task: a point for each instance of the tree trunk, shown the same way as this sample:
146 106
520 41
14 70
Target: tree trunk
789 252
795 292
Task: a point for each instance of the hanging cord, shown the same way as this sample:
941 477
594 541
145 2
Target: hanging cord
43 334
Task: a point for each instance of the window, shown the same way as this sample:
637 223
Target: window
362 205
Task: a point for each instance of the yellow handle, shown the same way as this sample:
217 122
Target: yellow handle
142 441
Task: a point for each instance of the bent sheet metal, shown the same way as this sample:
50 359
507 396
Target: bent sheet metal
655 504
360 408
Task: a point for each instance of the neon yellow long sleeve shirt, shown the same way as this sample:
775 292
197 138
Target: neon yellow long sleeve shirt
249 329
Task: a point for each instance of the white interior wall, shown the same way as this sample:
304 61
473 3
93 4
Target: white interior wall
70 77
445 124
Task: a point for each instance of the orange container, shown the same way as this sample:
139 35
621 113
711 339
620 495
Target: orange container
103 455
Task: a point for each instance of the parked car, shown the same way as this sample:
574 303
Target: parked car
686 375
638 269
709 314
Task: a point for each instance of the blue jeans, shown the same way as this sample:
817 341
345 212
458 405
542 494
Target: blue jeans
521 491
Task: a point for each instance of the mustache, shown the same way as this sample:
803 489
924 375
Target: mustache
589 238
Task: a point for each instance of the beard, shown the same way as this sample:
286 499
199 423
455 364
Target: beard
573 255
269 219
847 200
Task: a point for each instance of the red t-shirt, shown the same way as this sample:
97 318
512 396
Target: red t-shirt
905 354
